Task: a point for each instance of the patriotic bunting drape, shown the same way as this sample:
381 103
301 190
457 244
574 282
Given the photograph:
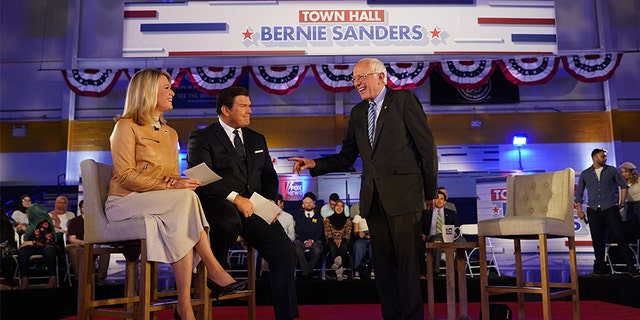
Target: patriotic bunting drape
284 79
213 79
466 74
334 77
278 79
91 82
592 67
408 75
529 71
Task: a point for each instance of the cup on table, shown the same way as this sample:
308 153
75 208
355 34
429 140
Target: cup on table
451 233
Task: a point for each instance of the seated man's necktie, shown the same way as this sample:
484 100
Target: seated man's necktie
237 143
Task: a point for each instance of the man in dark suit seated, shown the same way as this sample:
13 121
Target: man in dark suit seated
241 157
432 226
309 236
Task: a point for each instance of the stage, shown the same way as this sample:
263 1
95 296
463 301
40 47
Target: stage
611 297
590 310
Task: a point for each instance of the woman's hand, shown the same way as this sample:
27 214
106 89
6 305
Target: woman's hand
181 183
26 243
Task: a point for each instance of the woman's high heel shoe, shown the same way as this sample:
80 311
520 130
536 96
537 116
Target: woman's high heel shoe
176 316
218 290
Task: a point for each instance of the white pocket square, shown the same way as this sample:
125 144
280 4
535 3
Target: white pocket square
259 151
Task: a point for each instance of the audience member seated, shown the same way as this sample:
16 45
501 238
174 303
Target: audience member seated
39 238
19 216
362 243
8 248
75 247
328 208
60 215
448 205
286 220
309 242
337 231
432 224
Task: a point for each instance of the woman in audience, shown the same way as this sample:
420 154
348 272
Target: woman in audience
19 216
39 238
632 203
337 231
146 182
61 216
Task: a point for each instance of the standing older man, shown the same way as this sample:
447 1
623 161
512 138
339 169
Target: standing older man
389 131
241 157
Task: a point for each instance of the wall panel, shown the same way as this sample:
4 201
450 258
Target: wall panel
328 131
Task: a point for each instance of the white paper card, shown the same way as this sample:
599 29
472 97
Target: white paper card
202 173
264 208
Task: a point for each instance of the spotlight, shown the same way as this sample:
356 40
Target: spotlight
519 140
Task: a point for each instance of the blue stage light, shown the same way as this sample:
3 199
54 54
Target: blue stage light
519 140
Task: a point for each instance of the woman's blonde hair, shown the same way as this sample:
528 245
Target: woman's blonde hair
142 96
633 175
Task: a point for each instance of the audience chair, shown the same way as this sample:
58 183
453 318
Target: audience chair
36 261
472 230
612 264
200 285
141 297
347 266
539 206
67 261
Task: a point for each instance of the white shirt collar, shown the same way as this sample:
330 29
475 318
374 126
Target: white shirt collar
229 131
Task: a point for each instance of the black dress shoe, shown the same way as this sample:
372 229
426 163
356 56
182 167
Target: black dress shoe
218 290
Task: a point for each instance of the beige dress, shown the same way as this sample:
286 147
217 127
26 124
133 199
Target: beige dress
142 157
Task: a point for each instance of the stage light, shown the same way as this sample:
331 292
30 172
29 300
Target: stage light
519 140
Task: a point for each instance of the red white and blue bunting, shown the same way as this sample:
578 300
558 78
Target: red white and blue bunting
334 77
213 79
284 79
529 71
279 80
407 75
466 74
592 67
91 82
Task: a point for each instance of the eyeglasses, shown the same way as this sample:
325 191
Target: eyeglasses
26 200
361 77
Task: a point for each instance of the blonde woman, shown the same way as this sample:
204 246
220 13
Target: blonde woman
146 182
632 203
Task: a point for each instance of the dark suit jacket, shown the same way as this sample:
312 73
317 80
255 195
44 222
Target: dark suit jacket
212 146
402 163
450 217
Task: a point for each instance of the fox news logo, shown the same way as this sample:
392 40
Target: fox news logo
294 189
